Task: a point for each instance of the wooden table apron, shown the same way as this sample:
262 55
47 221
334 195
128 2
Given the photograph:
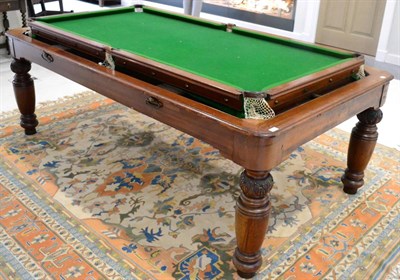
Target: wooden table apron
257 145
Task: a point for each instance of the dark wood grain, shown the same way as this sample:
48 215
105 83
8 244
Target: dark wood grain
24 94
361 147
252 212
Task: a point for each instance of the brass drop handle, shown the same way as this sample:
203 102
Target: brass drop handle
154 102
47 57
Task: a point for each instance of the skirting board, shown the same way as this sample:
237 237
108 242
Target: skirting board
384 56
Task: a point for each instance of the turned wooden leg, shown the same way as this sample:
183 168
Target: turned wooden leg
252 213
362 143
6 25
24 94
23 18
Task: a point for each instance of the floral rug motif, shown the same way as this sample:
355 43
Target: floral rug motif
103 192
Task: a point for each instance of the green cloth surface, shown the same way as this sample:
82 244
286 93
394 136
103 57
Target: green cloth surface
239 59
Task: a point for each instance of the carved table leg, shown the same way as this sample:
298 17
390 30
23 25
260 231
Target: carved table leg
362 143
24 94
252 213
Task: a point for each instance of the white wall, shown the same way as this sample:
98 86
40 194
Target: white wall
14 18
393 50
389 42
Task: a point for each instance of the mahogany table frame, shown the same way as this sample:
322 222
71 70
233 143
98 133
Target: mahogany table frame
257 145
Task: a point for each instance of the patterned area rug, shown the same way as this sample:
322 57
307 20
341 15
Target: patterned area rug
103 192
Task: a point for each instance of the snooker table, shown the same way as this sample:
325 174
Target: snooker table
253 96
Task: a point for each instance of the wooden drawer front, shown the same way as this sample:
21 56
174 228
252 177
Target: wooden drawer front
9 6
